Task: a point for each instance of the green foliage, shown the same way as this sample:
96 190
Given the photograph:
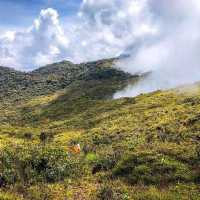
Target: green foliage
8 196
106 193
15 85
91 158
46 137
151 168
28 135
105 160
173 193
109 191
29 164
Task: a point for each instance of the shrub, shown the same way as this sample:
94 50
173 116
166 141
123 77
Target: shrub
46 191
105 193
101 139
198 151
104 160
111 192
46 137
28 135
28 164
177 192
8 196
151 168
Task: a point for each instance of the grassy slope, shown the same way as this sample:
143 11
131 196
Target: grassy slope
145 147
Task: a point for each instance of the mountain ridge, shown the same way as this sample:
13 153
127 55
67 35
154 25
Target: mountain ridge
57 76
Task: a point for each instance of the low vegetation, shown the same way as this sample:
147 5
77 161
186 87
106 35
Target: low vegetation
142 148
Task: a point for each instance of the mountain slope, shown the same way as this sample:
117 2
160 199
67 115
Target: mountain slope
51 78
146 147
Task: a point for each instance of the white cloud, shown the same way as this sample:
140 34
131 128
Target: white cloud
42 43
113 26
173 55
103 29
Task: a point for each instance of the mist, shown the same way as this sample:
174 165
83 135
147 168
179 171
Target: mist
172 56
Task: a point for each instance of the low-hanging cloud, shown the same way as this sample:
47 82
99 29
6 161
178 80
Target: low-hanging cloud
172 56
161 37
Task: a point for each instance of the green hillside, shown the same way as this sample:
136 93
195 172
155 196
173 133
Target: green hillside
15 85
142 148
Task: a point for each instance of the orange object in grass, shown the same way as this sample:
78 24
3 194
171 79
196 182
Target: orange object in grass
76 149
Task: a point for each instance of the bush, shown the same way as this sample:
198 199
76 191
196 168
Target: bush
103 161
26 164
8 196
198 152
28 136
46 137
106 193
151 168
109 191
177 192
101 139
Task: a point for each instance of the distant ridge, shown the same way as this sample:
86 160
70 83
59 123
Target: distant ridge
17 85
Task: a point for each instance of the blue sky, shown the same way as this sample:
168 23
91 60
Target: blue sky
21 13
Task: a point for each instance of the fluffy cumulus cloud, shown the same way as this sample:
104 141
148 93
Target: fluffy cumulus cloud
101 29
44 42
111 28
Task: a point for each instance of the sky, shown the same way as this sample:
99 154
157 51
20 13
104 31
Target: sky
38 32
17 17
161 36
25 11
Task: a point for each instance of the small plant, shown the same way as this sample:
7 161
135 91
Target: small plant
8 196
2 181
45 137
198 152
109 192
28 136
106 193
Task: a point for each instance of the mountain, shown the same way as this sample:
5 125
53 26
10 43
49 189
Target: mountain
54 77
146 147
